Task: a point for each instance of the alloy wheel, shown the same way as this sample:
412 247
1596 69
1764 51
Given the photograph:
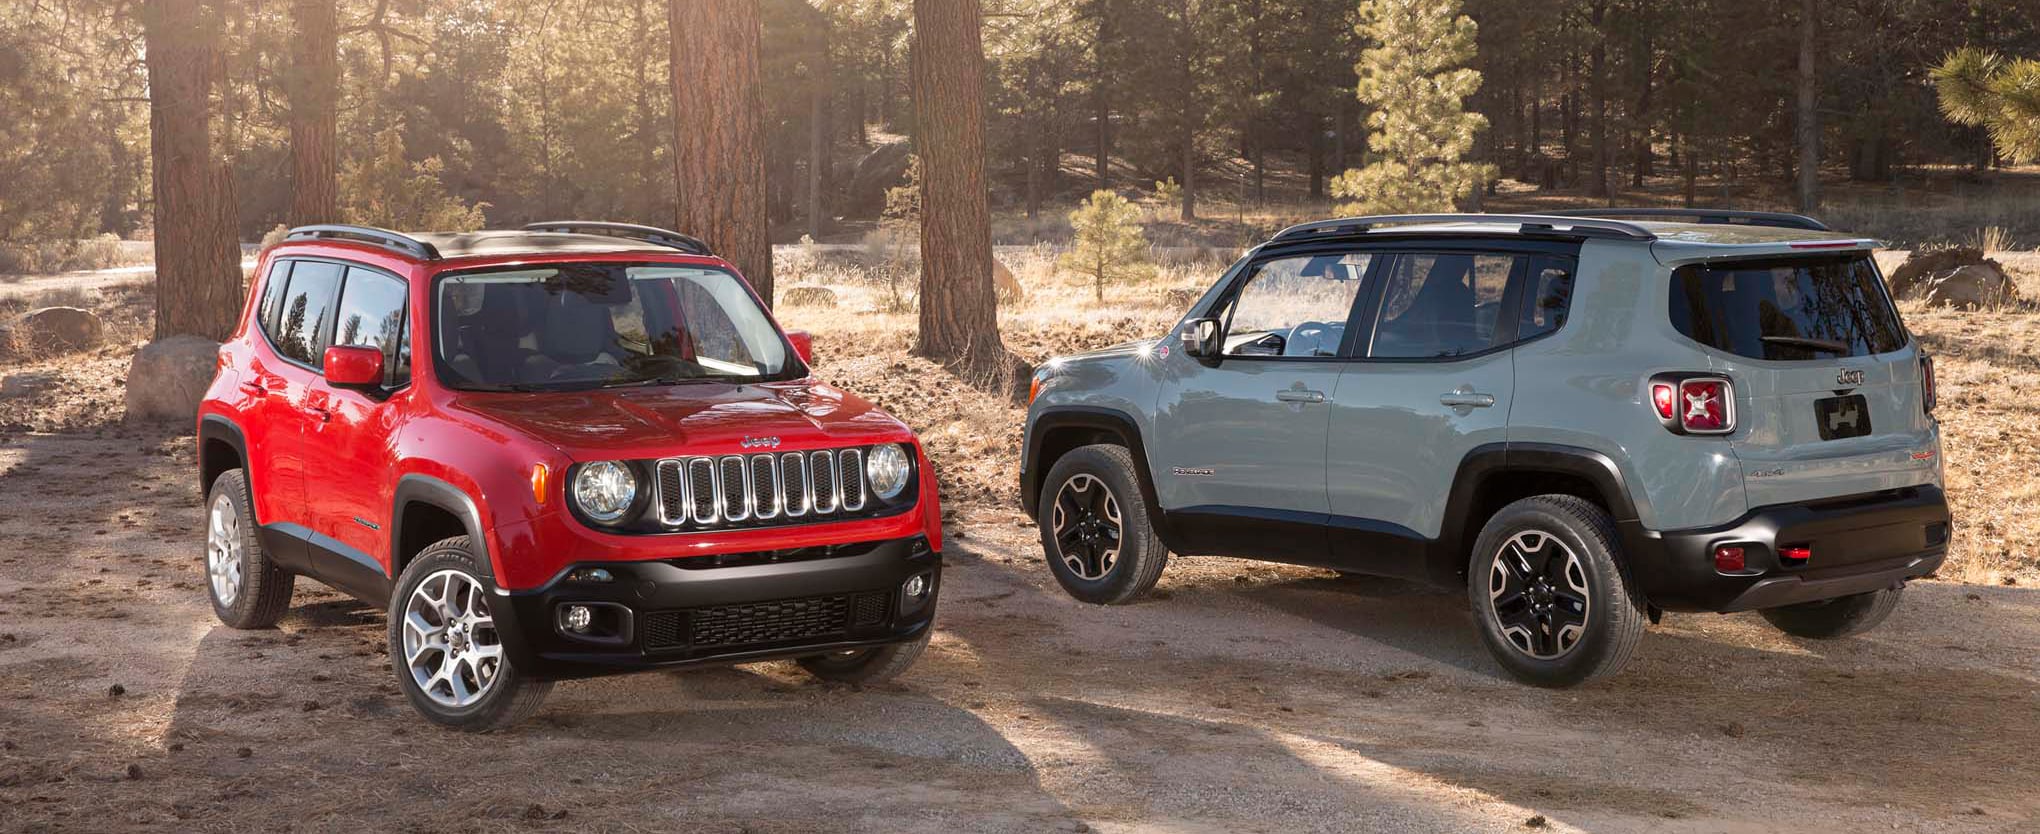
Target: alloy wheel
1087 526
450 641
223 549
1538 595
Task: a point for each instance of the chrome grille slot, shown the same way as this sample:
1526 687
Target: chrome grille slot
822 473
754 490
851 463
765 499
733 489
672 493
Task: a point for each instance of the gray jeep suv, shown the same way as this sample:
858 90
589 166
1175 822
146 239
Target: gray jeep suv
1583 420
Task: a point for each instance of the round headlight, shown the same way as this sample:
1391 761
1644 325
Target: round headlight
887 468
604 490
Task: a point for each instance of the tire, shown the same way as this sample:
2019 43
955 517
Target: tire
427 656
867 666
246 587
1565 614
1117 557
1830 619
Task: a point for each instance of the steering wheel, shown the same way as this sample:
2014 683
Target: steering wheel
1315 331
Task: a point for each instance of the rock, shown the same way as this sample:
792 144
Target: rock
169 377
808 295
1960 277
58 329
1006 287
1972 287
885 167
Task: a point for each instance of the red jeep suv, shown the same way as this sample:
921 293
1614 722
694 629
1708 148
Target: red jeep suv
569 450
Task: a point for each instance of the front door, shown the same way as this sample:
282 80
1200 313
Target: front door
348 444
1240 457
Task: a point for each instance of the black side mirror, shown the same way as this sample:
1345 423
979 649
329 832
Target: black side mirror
1201 338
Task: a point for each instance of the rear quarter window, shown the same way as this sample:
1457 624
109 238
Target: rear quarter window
1787 308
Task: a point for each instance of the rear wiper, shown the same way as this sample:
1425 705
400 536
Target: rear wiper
1828 345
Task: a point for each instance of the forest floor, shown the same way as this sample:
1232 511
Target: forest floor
1239 697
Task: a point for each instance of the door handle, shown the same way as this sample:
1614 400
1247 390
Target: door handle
319 413
1299 395
1465 399
255 388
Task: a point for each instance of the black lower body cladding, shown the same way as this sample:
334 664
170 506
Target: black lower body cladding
706 611
1857 544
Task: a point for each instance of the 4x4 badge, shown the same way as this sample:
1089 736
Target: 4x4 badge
761 442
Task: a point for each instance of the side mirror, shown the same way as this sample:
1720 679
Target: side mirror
1200 338
803 345
353 366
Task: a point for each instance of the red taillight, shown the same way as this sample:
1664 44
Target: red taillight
1706 406
1663 396
1927 388
1794 555
1728 558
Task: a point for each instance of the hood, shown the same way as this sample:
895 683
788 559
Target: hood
1123 349
697 418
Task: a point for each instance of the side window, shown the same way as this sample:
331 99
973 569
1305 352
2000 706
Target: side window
372 315
305 319
272 296
1440 305
1296 307
1547 297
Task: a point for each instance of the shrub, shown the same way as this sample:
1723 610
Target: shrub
1109 247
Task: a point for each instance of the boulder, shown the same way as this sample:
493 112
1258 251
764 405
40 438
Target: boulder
1910 278
54 329
1006 287
885 167
1971 287
808 295
169 376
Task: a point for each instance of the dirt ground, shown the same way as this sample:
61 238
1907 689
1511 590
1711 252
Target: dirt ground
1241 697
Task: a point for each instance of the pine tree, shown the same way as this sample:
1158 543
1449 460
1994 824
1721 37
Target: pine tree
1415 80
1109 247
1983 89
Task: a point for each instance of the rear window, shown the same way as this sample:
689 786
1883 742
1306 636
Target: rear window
1789 309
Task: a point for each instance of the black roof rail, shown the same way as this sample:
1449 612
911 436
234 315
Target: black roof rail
1526 224
1733 217
397 241
648 234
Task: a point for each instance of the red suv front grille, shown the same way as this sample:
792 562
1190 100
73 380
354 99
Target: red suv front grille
760 490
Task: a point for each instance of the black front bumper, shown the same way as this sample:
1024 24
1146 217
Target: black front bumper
702 611
1859 544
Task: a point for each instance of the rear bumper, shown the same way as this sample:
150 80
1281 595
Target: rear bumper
1859 544
705 611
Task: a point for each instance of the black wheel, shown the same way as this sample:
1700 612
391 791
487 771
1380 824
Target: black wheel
247 589
1838 617
1095 529
1548 594
444 647
863 666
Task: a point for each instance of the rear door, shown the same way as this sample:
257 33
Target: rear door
1828 383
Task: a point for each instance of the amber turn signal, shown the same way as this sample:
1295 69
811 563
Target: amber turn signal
538 476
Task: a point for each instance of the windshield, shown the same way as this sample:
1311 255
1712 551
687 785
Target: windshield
580 326
1787 309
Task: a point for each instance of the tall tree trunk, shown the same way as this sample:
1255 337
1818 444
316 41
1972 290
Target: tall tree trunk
1809 112
1189 117
959 313
198 256
719 171
314 114
1101 93
818 133
645 203
1598 61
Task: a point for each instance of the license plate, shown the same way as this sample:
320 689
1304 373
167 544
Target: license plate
1842 417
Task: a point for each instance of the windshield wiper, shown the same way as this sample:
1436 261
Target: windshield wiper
1828 345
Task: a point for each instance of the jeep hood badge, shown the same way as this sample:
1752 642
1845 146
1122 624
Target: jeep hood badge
761 443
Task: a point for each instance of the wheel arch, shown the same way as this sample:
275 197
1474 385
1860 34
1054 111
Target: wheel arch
425 510
1493 475
1059 430
221 446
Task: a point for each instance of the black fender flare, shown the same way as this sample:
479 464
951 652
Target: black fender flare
1456 534
1109 420
217 427
425 489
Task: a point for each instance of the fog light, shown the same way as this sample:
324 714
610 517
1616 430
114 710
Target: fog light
1728 558
590 575
578 618
917 586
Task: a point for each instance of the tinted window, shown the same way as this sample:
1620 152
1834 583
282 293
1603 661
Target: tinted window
1440 305
1792 309
1296 306
372 315
306 316
1546 298
272 295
